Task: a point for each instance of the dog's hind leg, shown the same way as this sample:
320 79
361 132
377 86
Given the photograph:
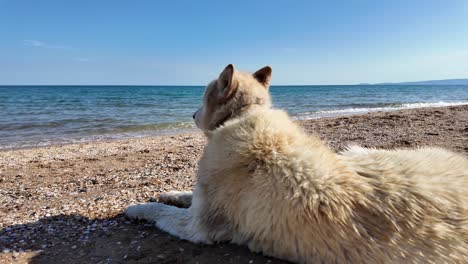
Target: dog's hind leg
179 222
182 199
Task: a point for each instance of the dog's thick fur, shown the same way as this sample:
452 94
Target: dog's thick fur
264 183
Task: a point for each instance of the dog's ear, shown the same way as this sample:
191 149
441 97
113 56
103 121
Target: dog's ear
227 84
263 76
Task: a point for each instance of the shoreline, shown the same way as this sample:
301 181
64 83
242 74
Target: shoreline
64 203
104 140
109 139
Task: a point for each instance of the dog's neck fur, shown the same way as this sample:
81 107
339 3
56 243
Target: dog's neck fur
236 113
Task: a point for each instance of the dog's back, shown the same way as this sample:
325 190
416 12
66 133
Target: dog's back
434 170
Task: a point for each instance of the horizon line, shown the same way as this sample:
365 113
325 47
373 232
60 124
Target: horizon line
195 85
204 85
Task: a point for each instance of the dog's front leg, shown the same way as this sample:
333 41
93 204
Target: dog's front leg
179 222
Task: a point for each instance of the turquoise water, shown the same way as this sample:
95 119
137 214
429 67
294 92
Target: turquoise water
42 115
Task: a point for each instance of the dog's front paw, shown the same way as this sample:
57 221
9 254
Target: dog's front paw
135 211
181 199
149 211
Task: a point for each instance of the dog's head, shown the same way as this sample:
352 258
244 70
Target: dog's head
231 94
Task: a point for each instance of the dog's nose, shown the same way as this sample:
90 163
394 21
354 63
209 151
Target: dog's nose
194 115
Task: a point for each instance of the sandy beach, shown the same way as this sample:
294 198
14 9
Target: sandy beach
64 204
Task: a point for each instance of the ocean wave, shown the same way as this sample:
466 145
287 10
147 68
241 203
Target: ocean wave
363 110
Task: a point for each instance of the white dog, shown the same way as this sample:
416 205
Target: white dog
264 183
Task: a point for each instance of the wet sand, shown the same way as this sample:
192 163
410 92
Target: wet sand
64 204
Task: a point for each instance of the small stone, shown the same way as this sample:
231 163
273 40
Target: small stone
161 256
74 247
6 250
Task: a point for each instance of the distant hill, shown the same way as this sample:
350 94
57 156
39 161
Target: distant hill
433 82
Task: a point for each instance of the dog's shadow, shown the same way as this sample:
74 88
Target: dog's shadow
77 239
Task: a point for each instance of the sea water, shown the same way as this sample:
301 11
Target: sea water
42 115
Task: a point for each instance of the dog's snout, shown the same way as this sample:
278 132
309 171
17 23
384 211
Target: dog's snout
194 114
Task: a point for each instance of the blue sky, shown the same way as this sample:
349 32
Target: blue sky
189 42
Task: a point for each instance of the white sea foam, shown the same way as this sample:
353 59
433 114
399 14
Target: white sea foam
363 110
